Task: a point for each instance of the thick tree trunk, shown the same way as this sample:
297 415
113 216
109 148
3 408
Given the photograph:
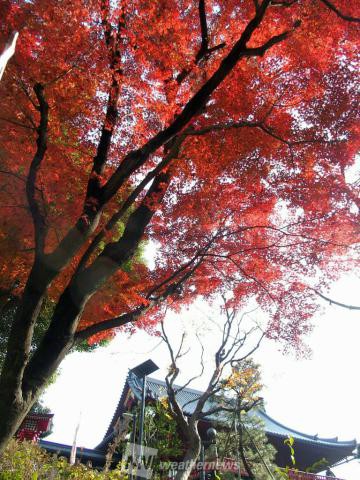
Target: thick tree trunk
9 422
191 455
12 412
14 403
23 379
189 462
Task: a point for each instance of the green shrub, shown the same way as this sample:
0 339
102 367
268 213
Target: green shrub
27 461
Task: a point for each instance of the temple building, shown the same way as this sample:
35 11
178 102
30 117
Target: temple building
309 448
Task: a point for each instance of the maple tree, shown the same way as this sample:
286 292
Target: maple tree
218 133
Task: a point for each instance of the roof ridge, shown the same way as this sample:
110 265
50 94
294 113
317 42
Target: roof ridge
333 440
163 383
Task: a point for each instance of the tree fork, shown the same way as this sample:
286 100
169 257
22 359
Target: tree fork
59 338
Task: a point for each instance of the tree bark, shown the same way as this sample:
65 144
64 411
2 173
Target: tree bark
191 455
13 410
23 378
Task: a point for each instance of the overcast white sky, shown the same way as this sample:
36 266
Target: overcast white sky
317 396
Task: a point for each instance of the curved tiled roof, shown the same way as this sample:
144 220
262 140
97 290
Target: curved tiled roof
276 428
187 399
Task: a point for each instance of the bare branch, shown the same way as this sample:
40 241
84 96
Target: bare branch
195 377
248 354
180 353
224 408
334 302
173 370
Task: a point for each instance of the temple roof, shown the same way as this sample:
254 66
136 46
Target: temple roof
156 389
276 428
309 447
97 457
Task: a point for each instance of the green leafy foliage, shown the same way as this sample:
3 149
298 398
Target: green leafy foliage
290 443
284 473
244 438
161 431
253 434
27 461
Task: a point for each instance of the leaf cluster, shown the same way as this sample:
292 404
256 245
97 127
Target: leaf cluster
161 431
27 461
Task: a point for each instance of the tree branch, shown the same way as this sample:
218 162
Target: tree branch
93 201
41 142
332 7
260 51
133 160
76 236
283 3
59 337
168 289
223 408
204 32
172 154
111 323
261 125
195 377
333 302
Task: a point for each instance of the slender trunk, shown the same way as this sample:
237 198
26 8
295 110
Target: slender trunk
241 447
14 405
20 337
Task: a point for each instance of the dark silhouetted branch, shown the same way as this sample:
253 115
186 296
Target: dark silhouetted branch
332 7
338 304
41 143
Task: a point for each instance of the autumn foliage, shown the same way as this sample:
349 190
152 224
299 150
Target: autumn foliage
157 151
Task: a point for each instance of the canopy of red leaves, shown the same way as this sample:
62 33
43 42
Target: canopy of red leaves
261 198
